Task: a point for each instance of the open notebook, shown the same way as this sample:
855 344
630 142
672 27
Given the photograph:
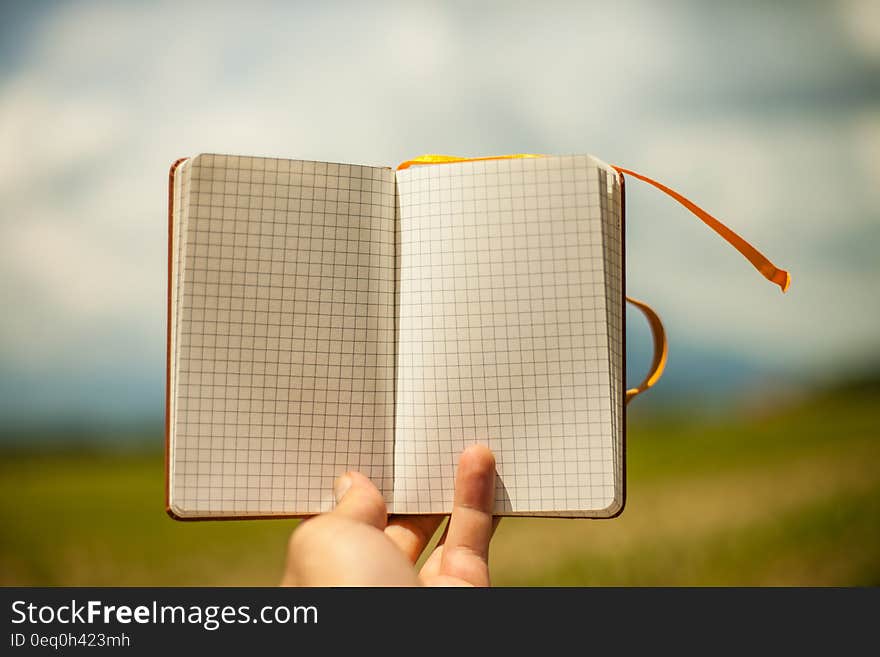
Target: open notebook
326 317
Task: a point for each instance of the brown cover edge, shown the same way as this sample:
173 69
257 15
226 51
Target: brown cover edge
171 173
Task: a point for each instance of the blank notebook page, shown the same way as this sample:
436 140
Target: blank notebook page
283 307
505 297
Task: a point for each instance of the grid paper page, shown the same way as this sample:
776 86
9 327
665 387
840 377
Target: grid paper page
284 334
503 335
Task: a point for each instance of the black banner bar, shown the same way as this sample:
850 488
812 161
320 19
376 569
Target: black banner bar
145 621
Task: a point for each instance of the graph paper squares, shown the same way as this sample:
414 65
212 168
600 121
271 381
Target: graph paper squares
284 337
504 334
328 317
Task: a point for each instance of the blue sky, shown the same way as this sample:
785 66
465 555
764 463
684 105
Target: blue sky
768 116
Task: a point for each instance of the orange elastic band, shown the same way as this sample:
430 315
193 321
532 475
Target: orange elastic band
661 349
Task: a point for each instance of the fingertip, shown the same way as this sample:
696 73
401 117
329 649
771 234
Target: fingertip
477 459
360 480
341 486
475 478
358 498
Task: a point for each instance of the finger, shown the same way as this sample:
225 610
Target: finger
358 499
431 567
332 550
495 522
466 549
412 533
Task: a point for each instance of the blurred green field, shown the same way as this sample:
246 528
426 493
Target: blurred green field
759 498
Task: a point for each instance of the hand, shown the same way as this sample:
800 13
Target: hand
357 545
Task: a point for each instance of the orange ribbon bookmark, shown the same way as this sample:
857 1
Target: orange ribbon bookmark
767 269
446 159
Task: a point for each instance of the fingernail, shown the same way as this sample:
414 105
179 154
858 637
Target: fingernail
340 487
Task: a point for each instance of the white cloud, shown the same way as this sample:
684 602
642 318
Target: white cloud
862 21
866 138
792 188
108 95
46 136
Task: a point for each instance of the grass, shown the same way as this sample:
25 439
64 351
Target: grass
788 497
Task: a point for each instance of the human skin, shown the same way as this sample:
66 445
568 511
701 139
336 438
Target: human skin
358 544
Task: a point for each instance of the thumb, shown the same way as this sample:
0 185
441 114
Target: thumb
358 499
